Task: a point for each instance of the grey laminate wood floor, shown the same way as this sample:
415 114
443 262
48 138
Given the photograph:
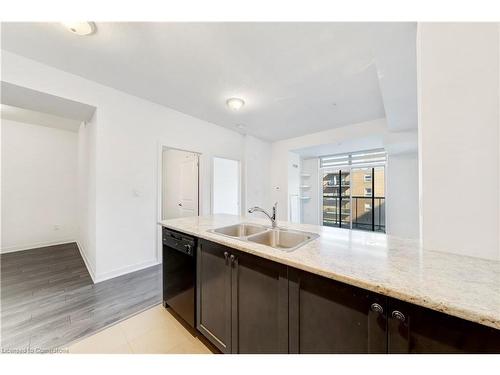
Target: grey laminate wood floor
48 299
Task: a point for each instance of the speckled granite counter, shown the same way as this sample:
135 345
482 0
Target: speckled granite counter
465 287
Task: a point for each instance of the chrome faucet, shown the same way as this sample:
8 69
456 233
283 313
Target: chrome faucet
271 217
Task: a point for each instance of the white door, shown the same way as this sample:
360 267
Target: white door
226 186
180 184
188 191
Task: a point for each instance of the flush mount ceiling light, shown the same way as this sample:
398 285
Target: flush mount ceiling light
80 28
235 104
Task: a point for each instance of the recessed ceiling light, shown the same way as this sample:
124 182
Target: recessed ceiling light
80 28
235 103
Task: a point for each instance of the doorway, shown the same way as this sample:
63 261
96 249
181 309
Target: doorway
180 183
226 186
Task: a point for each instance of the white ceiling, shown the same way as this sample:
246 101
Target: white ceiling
289 74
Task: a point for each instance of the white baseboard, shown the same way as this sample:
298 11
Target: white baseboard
124 270
88 264
96 278
34 245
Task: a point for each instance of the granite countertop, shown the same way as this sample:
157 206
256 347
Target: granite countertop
462 286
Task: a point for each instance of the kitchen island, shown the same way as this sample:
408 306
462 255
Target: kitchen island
388 272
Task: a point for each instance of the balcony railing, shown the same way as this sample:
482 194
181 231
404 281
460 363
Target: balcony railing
368 213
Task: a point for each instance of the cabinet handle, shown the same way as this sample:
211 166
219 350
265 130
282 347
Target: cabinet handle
232 258
226 254
375 307
398 315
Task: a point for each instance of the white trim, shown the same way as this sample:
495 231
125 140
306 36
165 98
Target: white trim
124 270
87 262
34 245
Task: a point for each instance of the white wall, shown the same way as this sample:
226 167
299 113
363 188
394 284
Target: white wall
458 79
127 135
39 186
402 214
257 173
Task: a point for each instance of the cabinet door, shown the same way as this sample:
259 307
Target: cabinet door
415 329
213 292
260 305
331 317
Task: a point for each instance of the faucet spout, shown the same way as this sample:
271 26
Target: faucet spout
271 217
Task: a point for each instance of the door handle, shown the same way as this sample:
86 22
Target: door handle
375 307
398 315
179 204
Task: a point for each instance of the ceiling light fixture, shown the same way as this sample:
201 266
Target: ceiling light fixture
80 28
235 103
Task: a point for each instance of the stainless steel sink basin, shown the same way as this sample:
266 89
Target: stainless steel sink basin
277 238
283 239
240 230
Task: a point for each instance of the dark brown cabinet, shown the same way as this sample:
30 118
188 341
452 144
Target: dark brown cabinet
243 301
327 316
213 294
331 317
247 304
415 329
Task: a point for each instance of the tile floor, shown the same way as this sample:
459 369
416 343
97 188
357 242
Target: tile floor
154 331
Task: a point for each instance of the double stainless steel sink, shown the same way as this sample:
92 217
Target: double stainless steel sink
277 238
